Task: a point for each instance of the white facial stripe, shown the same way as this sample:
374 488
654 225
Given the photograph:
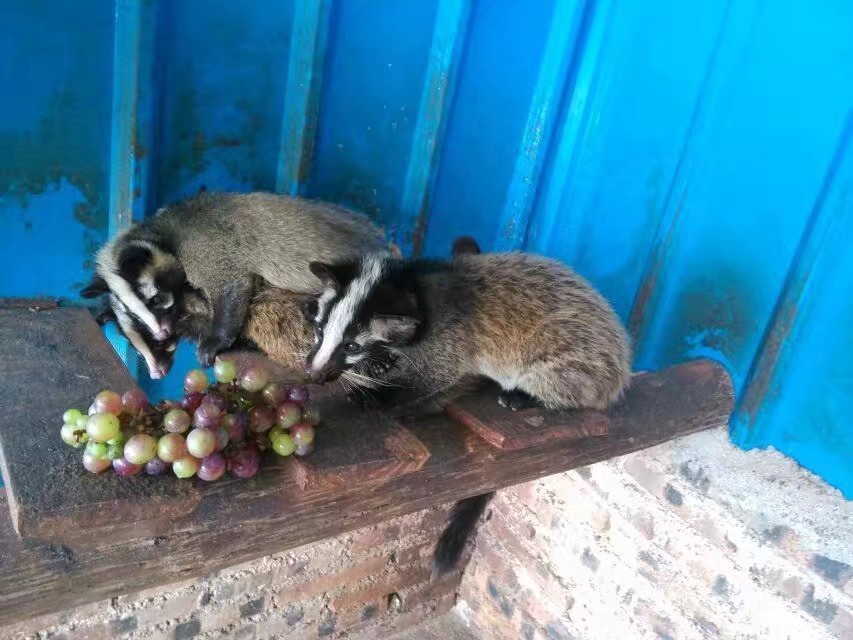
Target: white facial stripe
343 313
125 322
328 295
129 299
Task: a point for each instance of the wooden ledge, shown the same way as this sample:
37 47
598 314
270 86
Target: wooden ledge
154 535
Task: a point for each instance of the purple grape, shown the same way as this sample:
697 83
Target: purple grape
245 463
192 401
212 467
262 419
238 426
304 449
124 468
157 467
299 394
207 416
216 399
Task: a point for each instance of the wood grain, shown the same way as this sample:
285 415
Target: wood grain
237 520
356 447
531 427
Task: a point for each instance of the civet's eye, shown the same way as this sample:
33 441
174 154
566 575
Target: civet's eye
352 347
160 300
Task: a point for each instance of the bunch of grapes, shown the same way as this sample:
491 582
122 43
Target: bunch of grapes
215 428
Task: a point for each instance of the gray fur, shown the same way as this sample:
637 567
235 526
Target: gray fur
224 241
525 321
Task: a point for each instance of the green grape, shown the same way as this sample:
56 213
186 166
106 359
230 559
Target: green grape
103 426
186 467
224 370
284 445
73 436
72 416
115 451
96 449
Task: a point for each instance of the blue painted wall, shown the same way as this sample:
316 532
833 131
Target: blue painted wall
693 160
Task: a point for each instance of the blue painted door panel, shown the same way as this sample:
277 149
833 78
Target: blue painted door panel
693 160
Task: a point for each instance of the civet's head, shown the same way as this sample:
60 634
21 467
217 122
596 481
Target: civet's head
144 285
159 355
146 279
367 306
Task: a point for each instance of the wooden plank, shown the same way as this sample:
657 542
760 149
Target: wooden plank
531 427
356 447
54 359
237 521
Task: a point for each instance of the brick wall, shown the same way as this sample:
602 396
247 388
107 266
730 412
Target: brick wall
338 587
693 539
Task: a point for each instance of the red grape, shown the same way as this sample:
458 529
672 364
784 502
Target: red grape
103 426
201 442
254 379
216 399
171 447
245 463
261 419
95 465
299 394
123 467
177 421
107 402
302 434
275 394
186 467
140 449
288 415
207 416
192 401
221 438
304 450
156 467
196 380
212 467
134 401
224 370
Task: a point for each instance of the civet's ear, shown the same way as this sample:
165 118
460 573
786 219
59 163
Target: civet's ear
397 331
335 276
132 260
97 287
